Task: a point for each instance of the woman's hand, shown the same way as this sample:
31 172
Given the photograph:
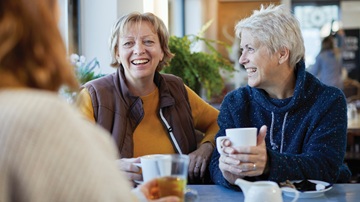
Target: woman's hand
240 162
199 160
132 171
151 191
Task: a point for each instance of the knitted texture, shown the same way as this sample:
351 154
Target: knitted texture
49 153
308 130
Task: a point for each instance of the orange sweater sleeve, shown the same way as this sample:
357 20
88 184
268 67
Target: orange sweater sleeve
84 104
204 116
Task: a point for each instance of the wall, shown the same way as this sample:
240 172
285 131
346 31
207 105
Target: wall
97 18
350 14
63 23
351 10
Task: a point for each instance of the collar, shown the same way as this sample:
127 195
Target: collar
166 99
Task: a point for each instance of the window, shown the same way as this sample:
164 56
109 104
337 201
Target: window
73 25
317 20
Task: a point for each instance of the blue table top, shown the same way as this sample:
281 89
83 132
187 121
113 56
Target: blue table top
216 193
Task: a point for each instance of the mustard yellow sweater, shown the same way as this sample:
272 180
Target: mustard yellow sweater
150 137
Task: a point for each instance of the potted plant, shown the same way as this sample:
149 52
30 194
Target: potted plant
84 72
199 70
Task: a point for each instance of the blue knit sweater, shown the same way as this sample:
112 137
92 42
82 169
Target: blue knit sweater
306 136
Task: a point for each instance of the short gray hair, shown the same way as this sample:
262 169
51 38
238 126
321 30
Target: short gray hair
275 27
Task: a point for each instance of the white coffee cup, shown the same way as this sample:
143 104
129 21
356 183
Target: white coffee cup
238 137
150 166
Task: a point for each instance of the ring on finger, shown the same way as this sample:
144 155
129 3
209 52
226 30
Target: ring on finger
254 166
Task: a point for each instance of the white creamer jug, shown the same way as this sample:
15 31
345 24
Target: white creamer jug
262 191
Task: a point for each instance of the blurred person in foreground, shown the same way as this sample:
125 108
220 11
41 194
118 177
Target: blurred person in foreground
302 122
48 152
145 111
328 64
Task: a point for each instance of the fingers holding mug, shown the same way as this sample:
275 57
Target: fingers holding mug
237 137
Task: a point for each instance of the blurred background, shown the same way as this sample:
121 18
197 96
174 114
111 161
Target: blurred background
86 25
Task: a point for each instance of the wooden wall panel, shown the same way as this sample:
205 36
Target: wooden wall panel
229 13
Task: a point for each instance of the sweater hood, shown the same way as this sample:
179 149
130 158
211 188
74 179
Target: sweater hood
287 104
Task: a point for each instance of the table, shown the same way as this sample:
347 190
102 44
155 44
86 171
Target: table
216 193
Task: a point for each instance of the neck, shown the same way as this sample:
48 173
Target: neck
285 88
285 92
141 87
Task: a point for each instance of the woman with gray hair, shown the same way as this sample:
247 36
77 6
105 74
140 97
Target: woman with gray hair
302 122
145 111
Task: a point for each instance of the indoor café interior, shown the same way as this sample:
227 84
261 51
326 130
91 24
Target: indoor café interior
203 33
86 34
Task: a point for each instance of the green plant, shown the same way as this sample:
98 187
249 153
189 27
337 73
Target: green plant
85 71
198 69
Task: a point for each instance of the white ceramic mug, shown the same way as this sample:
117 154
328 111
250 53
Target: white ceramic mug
238 137
150 166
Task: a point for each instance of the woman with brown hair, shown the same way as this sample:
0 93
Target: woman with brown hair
145 111
328 64
47 151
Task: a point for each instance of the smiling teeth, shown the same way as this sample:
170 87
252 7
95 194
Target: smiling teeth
140 61
250 70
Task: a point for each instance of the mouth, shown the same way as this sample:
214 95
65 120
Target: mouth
140 62
251 70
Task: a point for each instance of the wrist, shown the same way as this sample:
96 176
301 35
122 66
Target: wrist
208 145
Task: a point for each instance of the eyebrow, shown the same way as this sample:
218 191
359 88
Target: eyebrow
247 45
148 35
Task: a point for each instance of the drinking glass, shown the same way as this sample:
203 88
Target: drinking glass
173 170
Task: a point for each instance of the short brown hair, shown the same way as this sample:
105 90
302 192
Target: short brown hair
133 18
31 46
327 43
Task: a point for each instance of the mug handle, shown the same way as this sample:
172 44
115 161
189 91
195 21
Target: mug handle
296 192
219 144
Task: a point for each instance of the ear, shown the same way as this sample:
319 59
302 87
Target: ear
162 56
283 54
117 55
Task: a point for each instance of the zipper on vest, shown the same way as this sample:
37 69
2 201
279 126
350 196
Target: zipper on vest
170 131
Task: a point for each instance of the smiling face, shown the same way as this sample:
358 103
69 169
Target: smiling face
139 52
262 67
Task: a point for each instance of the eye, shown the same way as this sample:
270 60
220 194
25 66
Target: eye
148 42
250 49
128 44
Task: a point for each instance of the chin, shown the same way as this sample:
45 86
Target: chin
252 84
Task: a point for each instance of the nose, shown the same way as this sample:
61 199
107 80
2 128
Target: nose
243 59
139 49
